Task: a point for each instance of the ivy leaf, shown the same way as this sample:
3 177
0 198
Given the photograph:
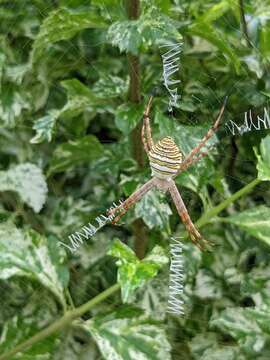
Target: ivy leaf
263 164
31 255
133 273
217 38
125 35
45 127
216 11
127 117
2 66
255 221
38 313
207 286
250 327
110 86
75 88
80 99
12 104
63 24
28 181
152 26
153 297
255 284
152 209
126 334
207 346
72 153
254 64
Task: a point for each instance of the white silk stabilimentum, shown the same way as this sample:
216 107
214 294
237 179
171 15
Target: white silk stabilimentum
170 61
76 239
249 125
176 286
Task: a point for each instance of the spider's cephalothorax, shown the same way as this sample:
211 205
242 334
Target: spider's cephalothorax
165 158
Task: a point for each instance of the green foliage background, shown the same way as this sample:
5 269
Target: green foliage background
70 147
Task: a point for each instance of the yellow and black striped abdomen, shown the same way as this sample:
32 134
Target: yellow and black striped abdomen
165 158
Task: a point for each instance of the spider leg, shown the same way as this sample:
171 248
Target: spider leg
146 128
189 159
197 157
135 197
195 236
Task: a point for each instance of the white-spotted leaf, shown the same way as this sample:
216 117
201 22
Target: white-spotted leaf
255 221
127 334
28 181
32 256
63 24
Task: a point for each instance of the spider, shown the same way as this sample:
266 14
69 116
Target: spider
166 162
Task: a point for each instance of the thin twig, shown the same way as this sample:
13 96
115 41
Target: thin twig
244 23
139 229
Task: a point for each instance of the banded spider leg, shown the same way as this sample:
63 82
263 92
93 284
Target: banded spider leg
135 197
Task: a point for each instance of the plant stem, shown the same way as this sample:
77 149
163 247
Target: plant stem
69 298
138 226
217 209
62 322
244 23
77 312
133 13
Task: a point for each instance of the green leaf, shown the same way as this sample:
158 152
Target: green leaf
65 215
12 105
63 24
207 346
217 38
264 43
80 99
28 181
225 352
74 87
2 66
32 256
152 209
16 73
153 297
72 153
263 164
255 221
125 35
133 273
45 127
126 334
127 117
35 315
207 286
249 327
109 86
216 11
255 284
74 345
152 28
254 64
